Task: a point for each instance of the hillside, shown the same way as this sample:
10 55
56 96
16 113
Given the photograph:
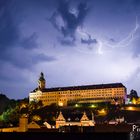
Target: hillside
4 103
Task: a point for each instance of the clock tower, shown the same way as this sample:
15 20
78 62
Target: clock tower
41 81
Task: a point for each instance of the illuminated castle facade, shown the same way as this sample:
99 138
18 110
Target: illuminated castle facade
62 96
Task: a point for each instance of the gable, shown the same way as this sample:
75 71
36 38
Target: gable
60 117
84 117
33 125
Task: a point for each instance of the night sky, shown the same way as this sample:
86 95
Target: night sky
73 42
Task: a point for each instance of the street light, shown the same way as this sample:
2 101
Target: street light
93 106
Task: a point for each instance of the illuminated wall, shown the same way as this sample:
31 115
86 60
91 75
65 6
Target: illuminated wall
62 97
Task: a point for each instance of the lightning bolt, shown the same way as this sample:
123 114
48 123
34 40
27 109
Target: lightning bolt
86 34
100 46
83 32
130 37
121 44
127 40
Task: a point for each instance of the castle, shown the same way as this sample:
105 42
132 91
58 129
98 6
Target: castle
63 96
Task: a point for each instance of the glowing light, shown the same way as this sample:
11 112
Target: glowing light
93 106
116 103
134 101
100 51
138 101
60 104
130 102
130 108
102 112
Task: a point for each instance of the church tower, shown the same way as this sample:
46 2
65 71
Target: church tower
41 81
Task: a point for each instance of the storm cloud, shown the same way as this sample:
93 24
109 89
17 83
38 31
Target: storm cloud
81 42
9 33
66 20
14 48
89 40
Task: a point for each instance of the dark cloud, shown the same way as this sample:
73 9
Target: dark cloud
30 42
9 33
112 40
12 75
24 58
89 40
136 2
23 30
41 57
14 48
66 21
53 20
68 41
135 5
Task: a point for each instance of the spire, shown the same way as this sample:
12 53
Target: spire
41 81
60 117
84 117
42 77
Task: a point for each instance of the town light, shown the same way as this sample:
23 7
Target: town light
130 108
93 106
134 101
60 104
102 112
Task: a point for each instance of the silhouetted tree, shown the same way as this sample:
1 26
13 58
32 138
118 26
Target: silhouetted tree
133 94
4 103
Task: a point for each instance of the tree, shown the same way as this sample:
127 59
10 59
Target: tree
36 118
4 103
134 101
133 94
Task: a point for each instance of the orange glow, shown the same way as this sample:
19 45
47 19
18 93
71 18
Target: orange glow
102 112
130 108
60 103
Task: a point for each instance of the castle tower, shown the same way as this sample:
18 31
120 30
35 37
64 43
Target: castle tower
23 124
60 120
41 81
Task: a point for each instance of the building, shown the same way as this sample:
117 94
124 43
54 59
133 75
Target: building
63 96
26 126
74 121
23 126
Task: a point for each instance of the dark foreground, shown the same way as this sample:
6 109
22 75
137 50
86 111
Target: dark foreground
65 136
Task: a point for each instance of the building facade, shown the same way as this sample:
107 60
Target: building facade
62 96
84 121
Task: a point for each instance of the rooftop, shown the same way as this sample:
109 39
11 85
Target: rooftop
83 87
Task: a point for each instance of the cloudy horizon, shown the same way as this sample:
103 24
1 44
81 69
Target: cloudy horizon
72 42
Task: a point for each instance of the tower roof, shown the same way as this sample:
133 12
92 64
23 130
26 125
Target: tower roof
41 78
60 117
84 117
84 87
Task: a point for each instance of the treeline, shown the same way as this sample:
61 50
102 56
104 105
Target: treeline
11 110
6 103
